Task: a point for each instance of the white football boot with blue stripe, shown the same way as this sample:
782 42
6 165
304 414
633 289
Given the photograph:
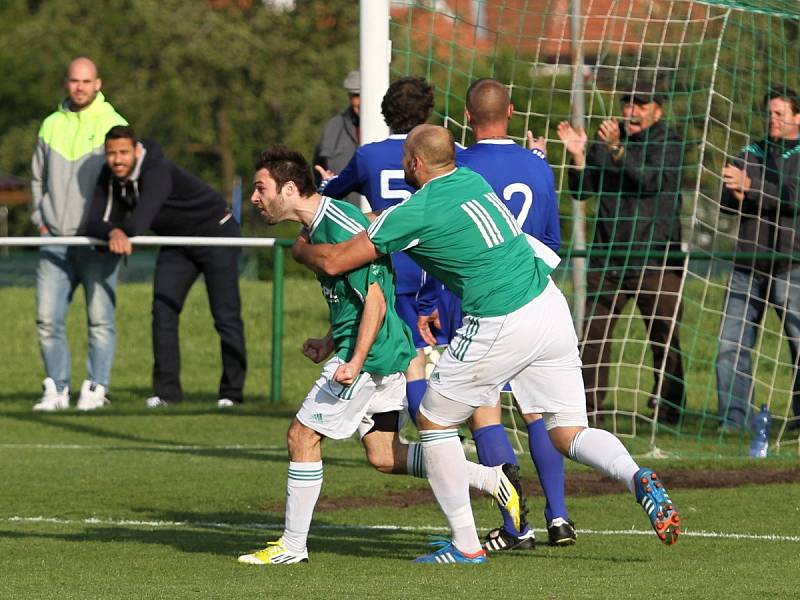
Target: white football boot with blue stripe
448 554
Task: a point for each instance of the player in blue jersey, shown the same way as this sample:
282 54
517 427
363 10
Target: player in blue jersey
524 181
376 172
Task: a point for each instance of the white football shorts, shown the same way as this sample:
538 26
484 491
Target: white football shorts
534 347
337 411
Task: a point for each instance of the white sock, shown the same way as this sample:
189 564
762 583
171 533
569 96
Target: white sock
601 450
482 478
302 491
446 466
415 463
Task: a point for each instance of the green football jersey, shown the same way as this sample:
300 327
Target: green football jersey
458 230
393 348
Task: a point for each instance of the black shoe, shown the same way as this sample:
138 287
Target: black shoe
561 532
498 540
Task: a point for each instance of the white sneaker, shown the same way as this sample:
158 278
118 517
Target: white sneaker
156 402
225 403
52 400
93 395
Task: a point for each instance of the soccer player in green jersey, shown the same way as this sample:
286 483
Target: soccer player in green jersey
361 387
517 327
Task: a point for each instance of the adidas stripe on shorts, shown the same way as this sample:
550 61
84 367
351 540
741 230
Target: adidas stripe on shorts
534 347
338 411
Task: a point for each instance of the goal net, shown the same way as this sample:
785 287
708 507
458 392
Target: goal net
675 381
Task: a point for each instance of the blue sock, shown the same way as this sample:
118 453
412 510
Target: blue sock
549 464
494 449
415 390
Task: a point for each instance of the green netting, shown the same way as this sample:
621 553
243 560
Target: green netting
713 63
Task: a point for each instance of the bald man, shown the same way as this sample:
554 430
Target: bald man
517 327
66 163
524 181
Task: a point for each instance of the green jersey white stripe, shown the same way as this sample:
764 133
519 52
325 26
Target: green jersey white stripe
490 225
378 223
506 214
483 210
488 235
342 219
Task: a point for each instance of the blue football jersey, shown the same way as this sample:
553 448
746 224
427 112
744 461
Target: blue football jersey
376 172
523 180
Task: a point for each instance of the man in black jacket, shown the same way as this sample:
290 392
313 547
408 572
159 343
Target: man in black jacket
634 169
761 187
139 189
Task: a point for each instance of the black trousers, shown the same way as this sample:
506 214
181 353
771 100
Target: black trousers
177 268
656 292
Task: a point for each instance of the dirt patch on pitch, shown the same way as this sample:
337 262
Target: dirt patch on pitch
580 484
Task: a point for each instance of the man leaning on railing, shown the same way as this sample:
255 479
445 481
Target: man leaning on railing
140 189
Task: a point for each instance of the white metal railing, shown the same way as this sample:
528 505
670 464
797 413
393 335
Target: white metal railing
139 240
155 240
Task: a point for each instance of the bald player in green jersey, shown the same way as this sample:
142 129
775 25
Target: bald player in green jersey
361 387
517 327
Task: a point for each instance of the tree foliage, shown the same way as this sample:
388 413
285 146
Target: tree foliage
212 85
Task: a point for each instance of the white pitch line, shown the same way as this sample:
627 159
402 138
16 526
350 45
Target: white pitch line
142 446
420 529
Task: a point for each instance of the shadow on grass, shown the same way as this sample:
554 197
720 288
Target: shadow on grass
277 455
235 540
87 425
211 534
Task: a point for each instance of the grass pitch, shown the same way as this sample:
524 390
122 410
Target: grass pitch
131 503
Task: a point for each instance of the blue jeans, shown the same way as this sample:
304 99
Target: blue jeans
61 269
749 294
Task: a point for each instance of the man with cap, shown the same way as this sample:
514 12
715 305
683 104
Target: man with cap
633 167
340 138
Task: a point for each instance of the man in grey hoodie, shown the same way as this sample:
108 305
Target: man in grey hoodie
66 164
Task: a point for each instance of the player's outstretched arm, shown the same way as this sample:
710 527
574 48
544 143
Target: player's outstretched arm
335 259
371 320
